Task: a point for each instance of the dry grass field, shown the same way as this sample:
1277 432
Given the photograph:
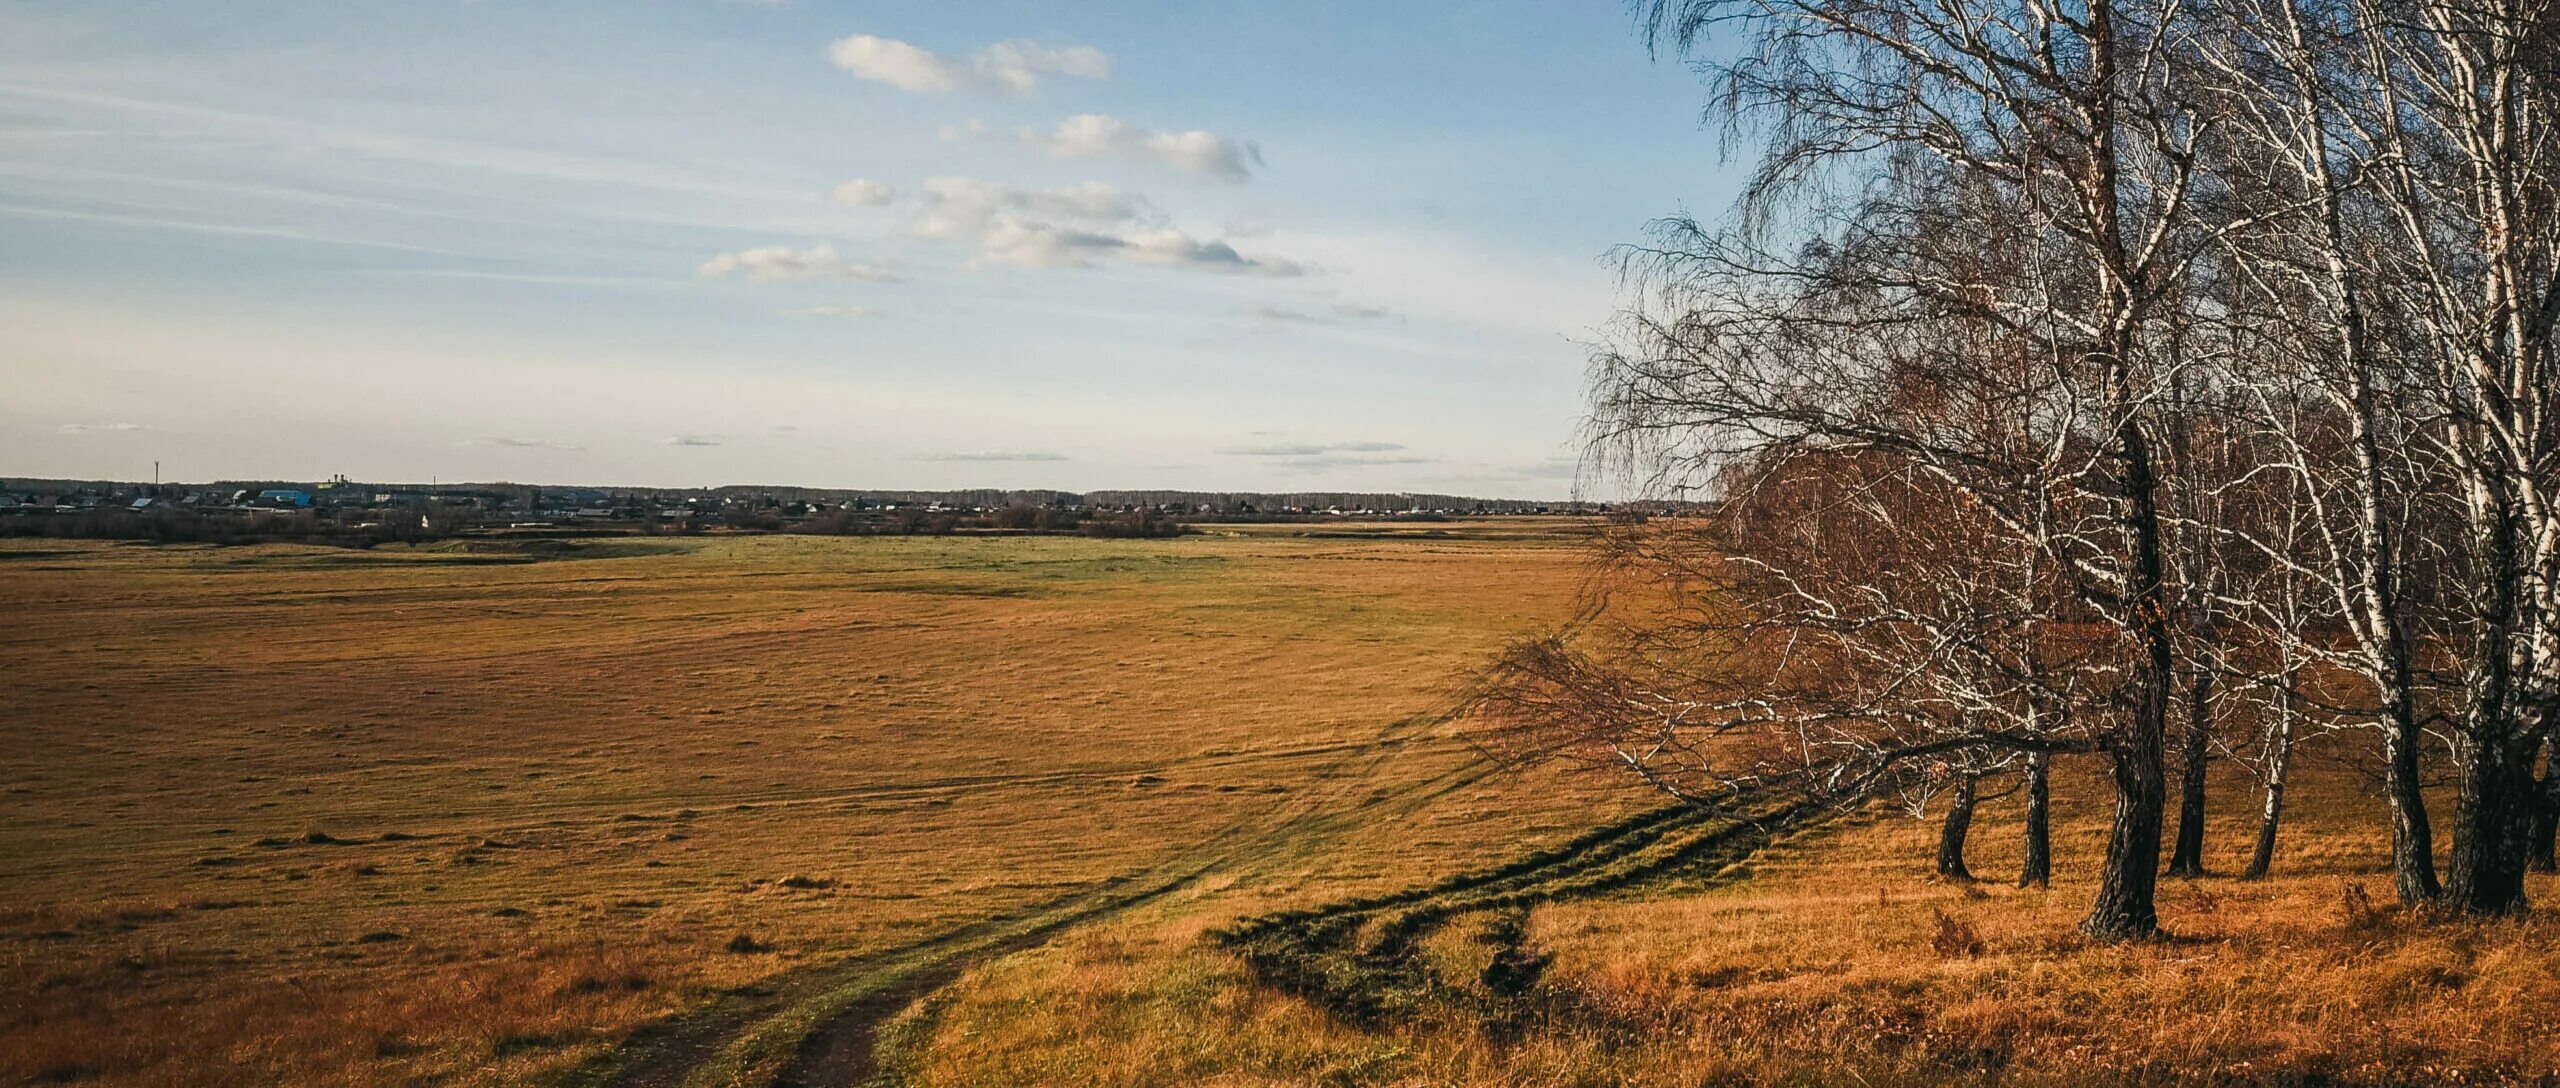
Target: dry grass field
468 815
473 815
1832 957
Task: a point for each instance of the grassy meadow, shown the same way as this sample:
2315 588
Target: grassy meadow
468 814
476 814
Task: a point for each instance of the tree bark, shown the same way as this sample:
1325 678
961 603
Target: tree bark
2037 870
2540 852
2271 815
2493 823
2126 908
1958 827
2186 857
2493 813
2413 853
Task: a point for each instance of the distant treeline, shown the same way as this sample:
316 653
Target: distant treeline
1224 503
180 526
1019 518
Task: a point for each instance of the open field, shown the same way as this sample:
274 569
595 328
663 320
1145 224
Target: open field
1831 957
282 815
1013 807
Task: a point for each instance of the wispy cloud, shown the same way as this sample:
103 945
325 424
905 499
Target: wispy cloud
99 428
1099 136
783 264
1310 449
1049 245
1337 314
693 440
1334 461
1018 64
855 313
1073 227
524 443
1328 456
863 193
963 207
991 455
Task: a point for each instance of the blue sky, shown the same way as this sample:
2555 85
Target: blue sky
861 244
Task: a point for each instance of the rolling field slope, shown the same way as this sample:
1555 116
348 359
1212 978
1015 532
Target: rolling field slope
471 814
970 813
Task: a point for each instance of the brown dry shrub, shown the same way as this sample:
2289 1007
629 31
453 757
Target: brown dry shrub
1955 938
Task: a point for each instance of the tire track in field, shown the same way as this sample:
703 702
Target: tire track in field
820 1025
1359 958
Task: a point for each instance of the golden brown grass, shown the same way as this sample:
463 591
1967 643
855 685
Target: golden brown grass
293 816
1842 962
284 815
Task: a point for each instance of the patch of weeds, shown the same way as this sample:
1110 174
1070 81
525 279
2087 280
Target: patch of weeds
2356 912
1955 938
517 1042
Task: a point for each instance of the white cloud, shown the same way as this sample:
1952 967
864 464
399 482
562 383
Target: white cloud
1336 314
524 443
1329 462
1173 247
850 312
783 264
1204 153
1044 245
693 440
890 61
1071 227
1310 449
962 207
1097 136
862 192
1083 136
96 428
1048 245
991 455
1016 65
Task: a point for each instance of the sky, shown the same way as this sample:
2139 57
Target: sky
930 244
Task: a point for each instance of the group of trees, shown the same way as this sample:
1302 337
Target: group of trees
178 525
1015 518
2087 376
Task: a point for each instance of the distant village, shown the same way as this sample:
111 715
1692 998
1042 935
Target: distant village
345 510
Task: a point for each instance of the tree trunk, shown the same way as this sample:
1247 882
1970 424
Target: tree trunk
2186 858
2271 816
1959 826
2126 908
2037 870
2413 849
2493 813
2546 812
2493 823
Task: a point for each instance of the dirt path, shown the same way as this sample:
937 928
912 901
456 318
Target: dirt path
1357 957
819 1026
845 1050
